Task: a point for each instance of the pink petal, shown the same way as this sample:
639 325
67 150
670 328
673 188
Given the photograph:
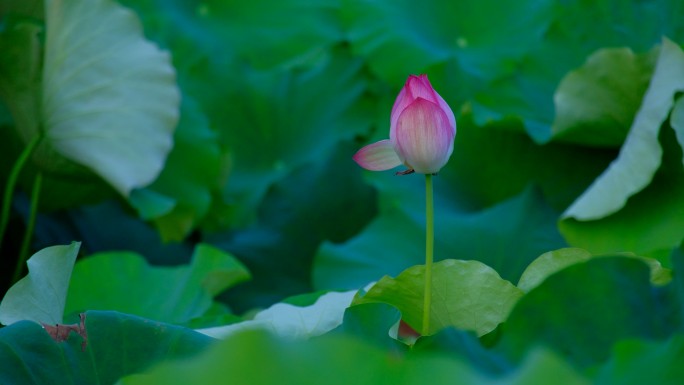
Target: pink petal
378 156
424 136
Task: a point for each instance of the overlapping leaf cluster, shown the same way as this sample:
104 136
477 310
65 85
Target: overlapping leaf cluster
570 131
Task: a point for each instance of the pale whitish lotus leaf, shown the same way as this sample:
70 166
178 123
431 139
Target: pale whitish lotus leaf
110 100
641 153
41 295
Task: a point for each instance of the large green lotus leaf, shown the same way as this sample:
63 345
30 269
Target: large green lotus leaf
293 321
596 103
485 37
677 120
507 236
640 155
124 282
549 263
465 294
650 224
642 362
583 310
41 295
182 194
337 359
117 345
109 99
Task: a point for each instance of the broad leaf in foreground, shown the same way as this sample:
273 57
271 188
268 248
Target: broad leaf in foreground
465 294
338 359
123 281
117 344
41 295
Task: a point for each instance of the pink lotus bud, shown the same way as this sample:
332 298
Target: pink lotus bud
422 131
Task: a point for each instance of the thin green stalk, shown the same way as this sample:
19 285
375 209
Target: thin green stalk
429 251
23 255
11 182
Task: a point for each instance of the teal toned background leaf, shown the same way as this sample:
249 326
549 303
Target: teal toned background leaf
118 344
41 295
466 294
124 282
109 100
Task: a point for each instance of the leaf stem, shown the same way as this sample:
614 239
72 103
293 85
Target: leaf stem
11 183
429 250
25 245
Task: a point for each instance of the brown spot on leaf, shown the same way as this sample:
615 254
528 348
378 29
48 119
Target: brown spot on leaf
60 333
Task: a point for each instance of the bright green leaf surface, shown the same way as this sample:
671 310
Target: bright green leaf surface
466 294
123 281
640 156
337 360
118 344
554 261
293 321
584 309
595 104
549 263
41 295
110 101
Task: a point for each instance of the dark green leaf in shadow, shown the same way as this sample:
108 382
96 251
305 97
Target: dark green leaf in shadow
466 346
372 322
583 310
117 345
41 295
506 237
644 362
398 38
123 281
496 161
465 294
181 196
322 200
677 120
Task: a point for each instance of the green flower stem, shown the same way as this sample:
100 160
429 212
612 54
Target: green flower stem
12 181
429 250
25 245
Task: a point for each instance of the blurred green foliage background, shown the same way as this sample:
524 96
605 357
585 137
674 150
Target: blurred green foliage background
276 96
